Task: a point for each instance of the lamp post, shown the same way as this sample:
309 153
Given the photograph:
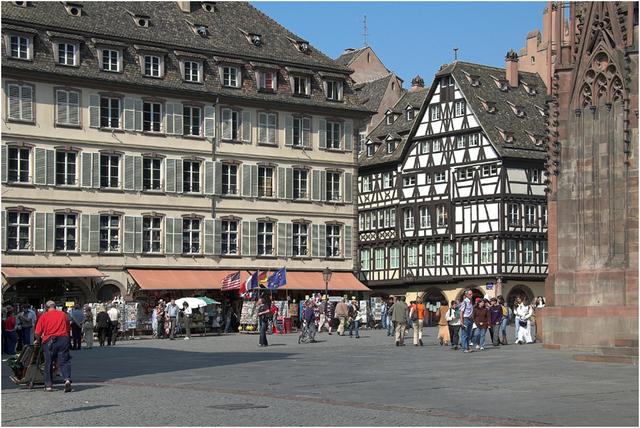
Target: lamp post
326 275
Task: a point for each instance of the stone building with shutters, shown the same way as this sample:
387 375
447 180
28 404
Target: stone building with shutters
178 135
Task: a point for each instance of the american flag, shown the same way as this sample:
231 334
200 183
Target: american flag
231 281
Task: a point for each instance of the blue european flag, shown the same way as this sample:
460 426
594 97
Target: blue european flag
278 279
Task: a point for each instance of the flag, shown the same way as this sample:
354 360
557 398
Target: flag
252 281
262 279
278 279
231 281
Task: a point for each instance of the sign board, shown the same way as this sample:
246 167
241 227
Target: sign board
69 304
489 285
335 298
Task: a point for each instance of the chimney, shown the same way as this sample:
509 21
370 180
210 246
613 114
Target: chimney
184 6
511 65
417 83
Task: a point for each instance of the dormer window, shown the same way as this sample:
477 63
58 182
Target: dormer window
21 3
230 76
538 140
191 71
540 110
410 114
507 136
473 79
141 21
300 45
208 6
267 80
391 146
301 85
517 110
73 9
199 29
152 66
20 46
530 89
111 60
67 54
333 89
371 149
390 118
489 106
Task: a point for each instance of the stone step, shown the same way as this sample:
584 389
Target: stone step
606 359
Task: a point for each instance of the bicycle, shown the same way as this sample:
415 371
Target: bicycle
305 335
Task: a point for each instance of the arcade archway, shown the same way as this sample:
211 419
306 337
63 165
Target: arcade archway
521 291
477 293
107 292
432 297
37 291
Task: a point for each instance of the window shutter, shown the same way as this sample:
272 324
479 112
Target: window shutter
170 176
41 166
179 176
129 172
246 180
262 127
87 169
322 240
137 171
246 126
288 130
210 122
253 238
217 178
27 103
289 238
315 240
3 230
226 124
94 233
138 113
348 135
129 234
138 235
129 114
288 193
94 111
348 249
340 90
94 161
62 106
254 181
84 233
3 167
14 102
282 240
208 236
217 238
209 177
348 187
40 238
323 185
74 107
177 235
322 133
177 118
315 185
168 117
168 235
51 167
306 132
281 183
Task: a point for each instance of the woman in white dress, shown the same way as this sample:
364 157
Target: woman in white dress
523 314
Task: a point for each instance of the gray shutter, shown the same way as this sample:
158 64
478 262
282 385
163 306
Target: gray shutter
348 249
95 167
246 238
322 240
246 126
170 175
315 232
40 237
281 183
94 233
84 233
282 240
94 111
246 180
289 239
137 173
348 135
323 185
73 108
129 114
254 181
168 235
40 166
315 185
306 132
217 237
179 176
51 230
14 101
137 103
288 192
3 230
177 118
138 235
51 167
129 172
168 118
217 178
209 232
129 234
210 122
348 187
253 238
226 124
209 176
62 105
4 166
177 236
322 133
288 130
87 169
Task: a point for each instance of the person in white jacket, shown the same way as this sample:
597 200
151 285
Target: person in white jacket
523 314
453 319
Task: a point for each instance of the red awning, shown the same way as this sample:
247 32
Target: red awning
340 281
50 272
178 279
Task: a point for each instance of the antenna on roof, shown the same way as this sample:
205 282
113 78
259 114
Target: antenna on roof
455 54
365 33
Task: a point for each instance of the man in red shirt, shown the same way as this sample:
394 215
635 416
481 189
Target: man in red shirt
52 332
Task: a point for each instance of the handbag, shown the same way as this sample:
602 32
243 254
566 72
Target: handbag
522 323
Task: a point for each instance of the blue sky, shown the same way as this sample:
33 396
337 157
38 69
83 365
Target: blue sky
413 37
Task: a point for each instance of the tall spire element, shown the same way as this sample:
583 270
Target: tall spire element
365 32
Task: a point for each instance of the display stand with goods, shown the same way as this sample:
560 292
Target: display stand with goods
376 312
249 317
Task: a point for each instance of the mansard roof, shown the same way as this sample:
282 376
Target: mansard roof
370 94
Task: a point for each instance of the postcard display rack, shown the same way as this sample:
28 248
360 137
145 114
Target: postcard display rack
249 317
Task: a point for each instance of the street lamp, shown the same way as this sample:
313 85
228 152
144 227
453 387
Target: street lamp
326 275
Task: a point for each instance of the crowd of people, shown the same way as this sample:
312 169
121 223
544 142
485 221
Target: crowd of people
167 319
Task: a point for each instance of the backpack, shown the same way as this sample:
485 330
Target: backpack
505 311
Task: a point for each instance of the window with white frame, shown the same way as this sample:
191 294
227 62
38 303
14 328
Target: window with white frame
535 176
544 252
528 252
386 218
267 128
513 214
300 85
374 220
109 233
459 108
409 219
191 176
265 181
20 103
230 124
489 170
410 114
151 233
109 170
425 218
20 47
333 240
367 221
436 145
387 180
333 187
467 253
474 140
486 252
389 118
66 234
268 80
409 181
18 230
366 183
300 239
380 258
230 76
391 146
191 235
381 219
365 259
393 217
334 90
67 54
333 135
435 112
412 256
67 107
530 215
441 212
109 112
300 183
18 164
371 150
440 177
229 237
66 166
424 147
394 258
512 251
465 173
361 221
152 66
544 216
191 121
430 253
446 81
151 173
461 141
265 238
448 254
301 131
110 60
192 71
151 116
229 179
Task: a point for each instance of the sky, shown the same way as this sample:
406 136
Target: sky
413 37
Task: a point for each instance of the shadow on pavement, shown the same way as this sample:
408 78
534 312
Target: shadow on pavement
75 409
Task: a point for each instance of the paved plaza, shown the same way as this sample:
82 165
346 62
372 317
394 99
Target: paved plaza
229 380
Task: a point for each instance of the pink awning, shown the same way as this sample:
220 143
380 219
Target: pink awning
178 279
312 281
50 272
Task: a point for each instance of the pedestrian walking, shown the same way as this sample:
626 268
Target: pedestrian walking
444 338
399 317
309 318
26 326
540 303
161 319
453 320
495 319
506 315
481 319
264 311
154 322
172 314
417 315
466 320
52 333
523 314
77 320
186 319
342 312
112 333
329 314
10 334
354 318
516 304
87 327
390 326
103 325
324 320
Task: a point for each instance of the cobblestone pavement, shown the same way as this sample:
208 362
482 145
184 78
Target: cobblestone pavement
340 381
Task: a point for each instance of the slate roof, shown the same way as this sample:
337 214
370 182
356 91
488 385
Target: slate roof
349 55
171 29
370 94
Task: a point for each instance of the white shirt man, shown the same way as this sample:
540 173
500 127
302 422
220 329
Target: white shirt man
113 314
